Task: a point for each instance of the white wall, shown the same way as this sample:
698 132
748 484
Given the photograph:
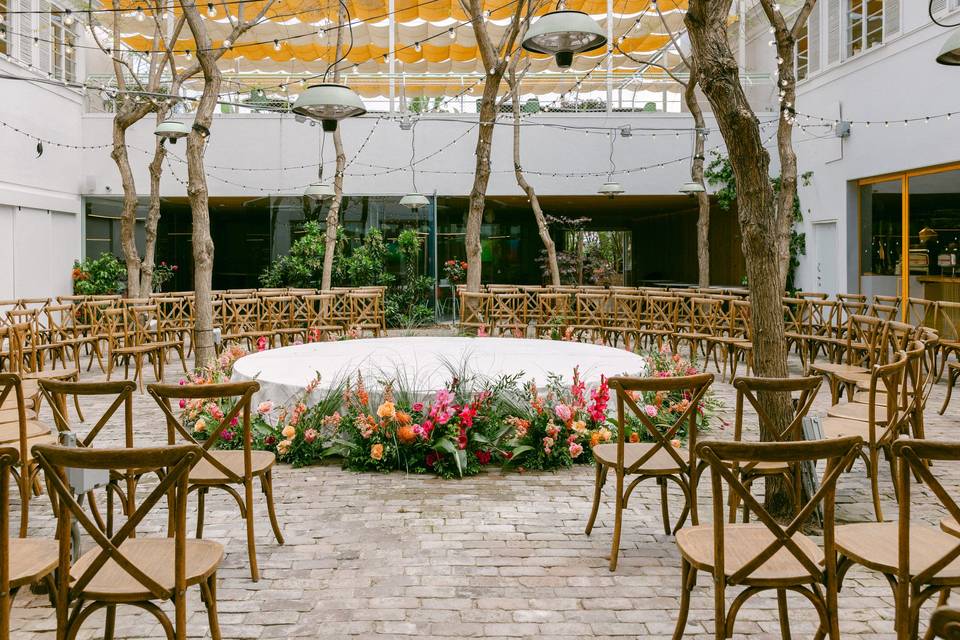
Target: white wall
39 196
263 142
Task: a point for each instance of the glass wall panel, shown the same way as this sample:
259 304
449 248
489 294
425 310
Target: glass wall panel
935 241
881 237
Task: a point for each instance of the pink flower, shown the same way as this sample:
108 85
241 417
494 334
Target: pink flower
183 403
482 332
417 407
310 435
262 343
575 450
650 410
234 421
265 407
563 412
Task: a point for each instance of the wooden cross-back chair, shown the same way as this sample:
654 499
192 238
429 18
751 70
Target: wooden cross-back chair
659 321
822 323
700 328
623 320
919 560
23 561
366 312
660 458
885 312
883 423
174 318
124 569
241 321
591 309
321 320
856 353
125 343
509 314
26 363
751 390
947 323
117 395
796 328
20 428
147 330
766 555
218 468
554 314
476 310
63 338
276 319
736 342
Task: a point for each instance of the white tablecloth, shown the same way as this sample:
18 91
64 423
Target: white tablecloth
426 364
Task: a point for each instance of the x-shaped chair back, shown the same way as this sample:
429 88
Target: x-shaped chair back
885 312
277 312
863 340
741 319
144 324
56 393
626 310
9 457
888 379
693 389
661 312
946 322
823 318
475 308
704 315
242 315
176 460
554 307
750 390
921 311
839 453
592 308
364 308
913 457
177 425
795 316
11 386
509 309
321 310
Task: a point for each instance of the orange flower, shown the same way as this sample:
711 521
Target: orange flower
387 410
376 451
406 434
634 437
594 439
404 418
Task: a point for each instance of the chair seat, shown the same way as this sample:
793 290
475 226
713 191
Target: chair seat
858 411
838 369
205 473
51 374
660 463
31 559
764 467
875 546
10 431
843 427
951 526
153 556
743 543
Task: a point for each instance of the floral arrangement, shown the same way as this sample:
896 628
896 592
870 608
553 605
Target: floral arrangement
162 274
462 428
455 270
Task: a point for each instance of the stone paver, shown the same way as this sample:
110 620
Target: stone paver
500 555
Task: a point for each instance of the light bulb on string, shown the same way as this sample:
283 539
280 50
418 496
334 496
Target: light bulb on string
68 17
189 55
227 43
140 14
276 45
451 33
211 12
416 47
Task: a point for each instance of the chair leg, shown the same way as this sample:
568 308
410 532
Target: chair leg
687 581
266 483
251 540
664 507
875 482
110 622
601 478
23 483
784 614
208 591
951 380
201 499
618 520
719 608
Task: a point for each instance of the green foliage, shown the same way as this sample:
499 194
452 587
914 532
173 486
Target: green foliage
105 275
719 173
303 266
405 303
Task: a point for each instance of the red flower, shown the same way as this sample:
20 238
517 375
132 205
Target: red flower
483 457
462 441
432 459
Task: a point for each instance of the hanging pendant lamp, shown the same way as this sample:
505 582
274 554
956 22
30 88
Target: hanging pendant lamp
691 188
562 34
329 103
319 191
950 53
171 130
611 188
414 200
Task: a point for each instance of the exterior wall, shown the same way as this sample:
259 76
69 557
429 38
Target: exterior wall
40 222
264 142
896 80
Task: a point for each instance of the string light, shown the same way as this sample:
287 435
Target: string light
67 17
211 12
416 46
276 45
140 14
451 33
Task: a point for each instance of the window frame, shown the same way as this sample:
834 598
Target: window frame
864 39
63 46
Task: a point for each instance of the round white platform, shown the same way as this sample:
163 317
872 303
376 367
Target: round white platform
424 364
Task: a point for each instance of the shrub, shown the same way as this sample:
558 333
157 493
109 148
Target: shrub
105 275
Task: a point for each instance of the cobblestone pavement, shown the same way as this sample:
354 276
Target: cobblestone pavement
500 555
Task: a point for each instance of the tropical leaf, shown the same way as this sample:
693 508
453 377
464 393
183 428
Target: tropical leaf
447 446
519 451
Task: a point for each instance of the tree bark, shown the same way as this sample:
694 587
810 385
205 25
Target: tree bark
696 174
153 213
333 213
706 22
128 214
542 226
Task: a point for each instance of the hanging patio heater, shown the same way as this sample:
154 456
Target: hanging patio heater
171 130
562 34
329 103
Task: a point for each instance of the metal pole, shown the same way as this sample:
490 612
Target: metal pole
435 259
609 56
391 56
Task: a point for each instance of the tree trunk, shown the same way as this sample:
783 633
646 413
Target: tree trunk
333 213
128 215
488 113
153 214
788 158
696 174
542 227
706 22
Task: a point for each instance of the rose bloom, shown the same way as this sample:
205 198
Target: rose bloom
417 407
289 432
183 403
605 434
594 439
200 425
579 426
310 435
283 447
650 410
575 450
264 407
563 412
634 437
675 443
376 451
387 410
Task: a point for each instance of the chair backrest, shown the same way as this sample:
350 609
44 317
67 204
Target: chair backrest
839 453
57 392
661 312
750 389
365 308
693 389
321 310
241 315
592 307
11 387
921 311
864 340
175 460
509 309
475 309
9 457
554 308
277 312
945 623
180 427
887 379
914 458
